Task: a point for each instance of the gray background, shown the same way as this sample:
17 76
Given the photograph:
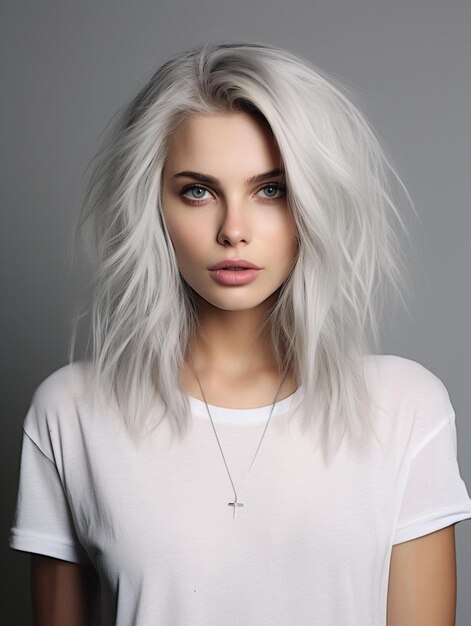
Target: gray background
67 67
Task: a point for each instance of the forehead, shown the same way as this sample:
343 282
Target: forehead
212 143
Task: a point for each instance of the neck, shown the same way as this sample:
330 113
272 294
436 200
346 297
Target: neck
234 342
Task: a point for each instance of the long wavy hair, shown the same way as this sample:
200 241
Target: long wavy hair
339 189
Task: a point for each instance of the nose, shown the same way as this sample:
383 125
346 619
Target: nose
235 226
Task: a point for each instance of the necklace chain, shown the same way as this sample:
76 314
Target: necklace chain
236 503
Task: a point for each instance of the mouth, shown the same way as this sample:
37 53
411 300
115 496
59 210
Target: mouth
234 275
234 265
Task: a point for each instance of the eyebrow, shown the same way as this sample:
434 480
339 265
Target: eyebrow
212 180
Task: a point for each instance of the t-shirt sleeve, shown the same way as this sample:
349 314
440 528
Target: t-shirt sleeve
435 495
42 520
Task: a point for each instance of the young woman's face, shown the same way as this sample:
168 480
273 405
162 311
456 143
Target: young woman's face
230 216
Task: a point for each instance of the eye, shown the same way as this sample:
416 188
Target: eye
276 187
196 191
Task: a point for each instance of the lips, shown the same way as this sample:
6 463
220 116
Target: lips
235 278
234 264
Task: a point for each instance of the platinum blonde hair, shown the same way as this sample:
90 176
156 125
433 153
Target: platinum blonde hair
339 189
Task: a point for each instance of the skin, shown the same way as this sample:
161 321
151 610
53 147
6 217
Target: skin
422 581
234 362
63 593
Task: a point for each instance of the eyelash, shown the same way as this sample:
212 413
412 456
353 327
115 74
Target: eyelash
196 202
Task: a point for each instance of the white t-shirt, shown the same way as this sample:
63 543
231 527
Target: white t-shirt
312 543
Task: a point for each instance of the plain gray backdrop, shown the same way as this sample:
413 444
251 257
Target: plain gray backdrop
68 66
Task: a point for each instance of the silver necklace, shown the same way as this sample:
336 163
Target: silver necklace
236 503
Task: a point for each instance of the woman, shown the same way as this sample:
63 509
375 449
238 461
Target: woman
234 451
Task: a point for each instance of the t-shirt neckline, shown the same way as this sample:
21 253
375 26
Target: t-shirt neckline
245 416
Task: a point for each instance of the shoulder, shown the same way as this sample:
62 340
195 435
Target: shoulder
395 377
65 383
56 401
413 400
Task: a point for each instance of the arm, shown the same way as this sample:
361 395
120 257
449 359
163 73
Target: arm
422 581
63 593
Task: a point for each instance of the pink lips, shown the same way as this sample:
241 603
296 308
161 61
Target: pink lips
230 263
235 277
224 273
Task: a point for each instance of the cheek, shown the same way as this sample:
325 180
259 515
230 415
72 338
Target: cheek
280 234
188 237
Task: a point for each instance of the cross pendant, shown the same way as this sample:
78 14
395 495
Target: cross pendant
234 504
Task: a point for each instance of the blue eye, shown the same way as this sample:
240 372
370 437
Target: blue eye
192 189
276 187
